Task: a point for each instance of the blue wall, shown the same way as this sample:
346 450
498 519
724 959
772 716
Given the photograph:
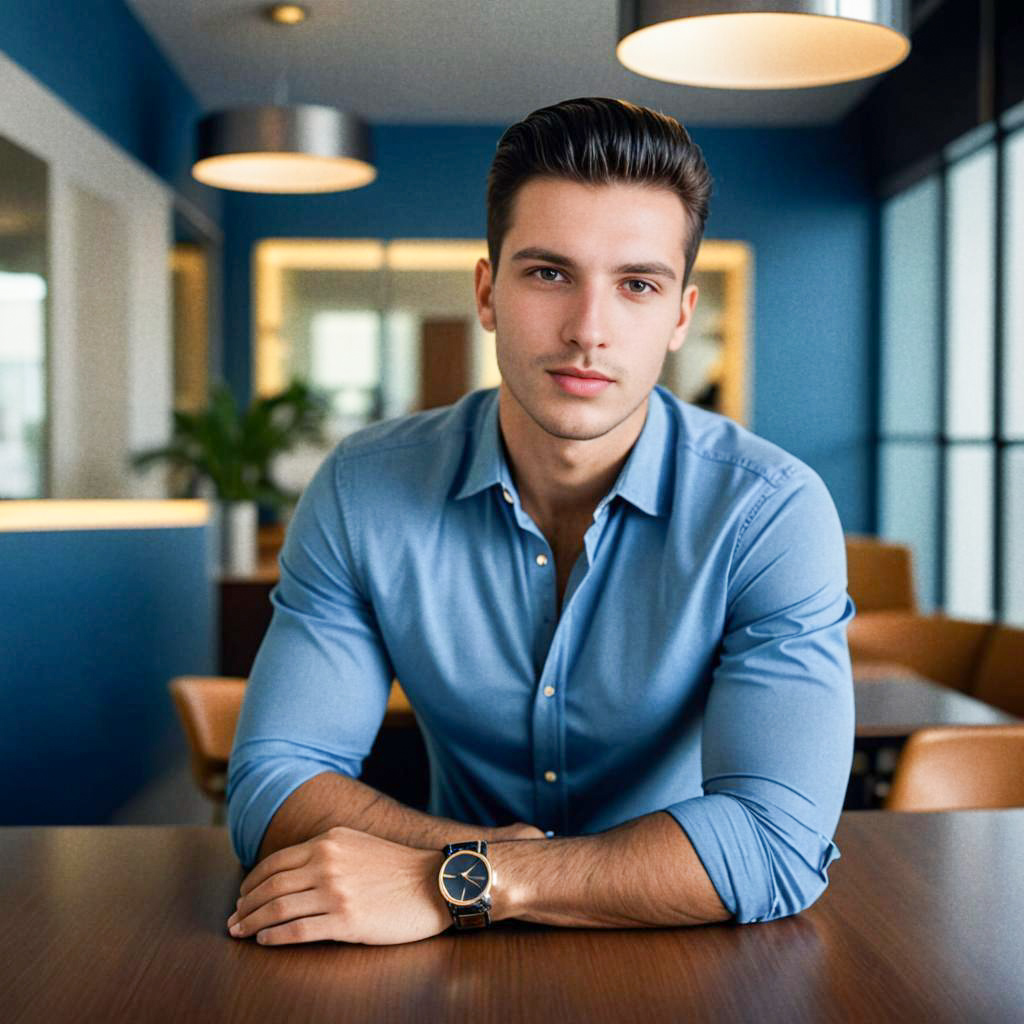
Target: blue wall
93 625
101 62
799 197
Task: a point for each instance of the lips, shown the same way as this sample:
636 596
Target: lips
571 371
580 383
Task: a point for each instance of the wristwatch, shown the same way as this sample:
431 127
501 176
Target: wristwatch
465 881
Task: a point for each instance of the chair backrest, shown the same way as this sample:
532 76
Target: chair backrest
208 707
944 650
960 767
999 679
880 575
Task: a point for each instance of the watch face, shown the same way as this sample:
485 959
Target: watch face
465 877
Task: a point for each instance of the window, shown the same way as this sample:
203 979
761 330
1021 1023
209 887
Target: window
951 453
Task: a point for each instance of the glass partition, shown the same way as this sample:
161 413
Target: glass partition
23 323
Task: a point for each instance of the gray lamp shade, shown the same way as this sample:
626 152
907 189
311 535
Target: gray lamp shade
291 149
748 44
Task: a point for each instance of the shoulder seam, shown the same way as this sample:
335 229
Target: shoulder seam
773 485
348 455
771 478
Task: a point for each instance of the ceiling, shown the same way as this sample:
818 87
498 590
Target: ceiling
447 61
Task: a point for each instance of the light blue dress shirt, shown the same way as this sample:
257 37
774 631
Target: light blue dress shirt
699 664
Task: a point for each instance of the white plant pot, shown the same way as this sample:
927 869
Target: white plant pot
238 536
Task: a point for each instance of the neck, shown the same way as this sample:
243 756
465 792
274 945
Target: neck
560 478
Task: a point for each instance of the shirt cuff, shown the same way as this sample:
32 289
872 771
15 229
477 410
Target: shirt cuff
258 787
764 865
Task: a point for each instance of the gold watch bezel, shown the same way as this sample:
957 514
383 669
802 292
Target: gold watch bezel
480 895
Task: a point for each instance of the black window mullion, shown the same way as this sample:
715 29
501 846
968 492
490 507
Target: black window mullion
999 363
941 363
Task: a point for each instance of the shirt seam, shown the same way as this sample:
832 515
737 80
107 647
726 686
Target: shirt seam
773 488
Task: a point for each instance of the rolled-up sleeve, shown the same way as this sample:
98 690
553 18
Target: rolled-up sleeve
778 728
319 686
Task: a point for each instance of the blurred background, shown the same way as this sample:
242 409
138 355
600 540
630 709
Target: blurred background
861 305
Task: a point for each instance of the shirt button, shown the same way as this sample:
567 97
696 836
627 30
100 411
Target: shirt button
549 691
505 494
551 776
542 560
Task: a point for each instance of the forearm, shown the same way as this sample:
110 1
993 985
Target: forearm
644 873
331 799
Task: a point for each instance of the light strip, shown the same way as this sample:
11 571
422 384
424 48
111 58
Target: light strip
101 514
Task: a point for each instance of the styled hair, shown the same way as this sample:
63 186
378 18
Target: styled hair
599 141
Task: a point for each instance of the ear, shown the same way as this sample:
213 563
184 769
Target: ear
484 288
686 308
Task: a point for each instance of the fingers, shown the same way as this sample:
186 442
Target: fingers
281 910
306 929
284 883
285 859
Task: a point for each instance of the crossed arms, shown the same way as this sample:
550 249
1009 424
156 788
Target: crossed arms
369 873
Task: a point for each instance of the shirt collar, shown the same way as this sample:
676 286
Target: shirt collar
487 465
644 481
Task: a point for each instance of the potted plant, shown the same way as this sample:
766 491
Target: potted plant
231 451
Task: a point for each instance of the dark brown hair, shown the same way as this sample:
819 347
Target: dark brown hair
598 141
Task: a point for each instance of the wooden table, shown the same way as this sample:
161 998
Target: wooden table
921 921
894 708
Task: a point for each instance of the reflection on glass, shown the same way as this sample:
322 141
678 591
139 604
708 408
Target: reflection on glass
1013 292
1013 535
910 310
909 499
969 531
970 296
23 323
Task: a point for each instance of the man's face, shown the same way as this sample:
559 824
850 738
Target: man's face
587 301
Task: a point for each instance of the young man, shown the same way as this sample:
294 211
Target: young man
618 617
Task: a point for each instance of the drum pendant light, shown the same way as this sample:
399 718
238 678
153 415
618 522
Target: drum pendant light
747 44
299 148
284 149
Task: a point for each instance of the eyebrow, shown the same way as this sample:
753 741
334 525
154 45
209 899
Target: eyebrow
653 269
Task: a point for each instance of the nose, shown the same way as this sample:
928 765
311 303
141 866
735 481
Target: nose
586 324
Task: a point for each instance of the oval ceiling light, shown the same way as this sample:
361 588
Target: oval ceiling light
288 150
745 44
287 14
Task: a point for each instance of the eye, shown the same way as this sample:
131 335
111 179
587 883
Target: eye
543 272
643 289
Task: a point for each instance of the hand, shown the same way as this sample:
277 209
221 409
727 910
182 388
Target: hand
516 831
345 885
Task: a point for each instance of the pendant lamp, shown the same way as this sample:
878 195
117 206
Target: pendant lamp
286 149
298 148
747 44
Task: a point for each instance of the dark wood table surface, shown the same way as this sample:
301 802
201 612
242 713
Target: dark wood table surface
896 707
922 921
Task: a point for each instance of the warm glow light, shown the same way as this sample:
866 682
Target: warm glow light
414 255
762 51
37 516
320 254
283 172
287 14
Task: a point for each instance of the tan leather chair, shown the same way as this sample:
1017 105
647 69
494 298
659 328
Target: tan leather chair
999 679
960 767
944 650
208 707
880 575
